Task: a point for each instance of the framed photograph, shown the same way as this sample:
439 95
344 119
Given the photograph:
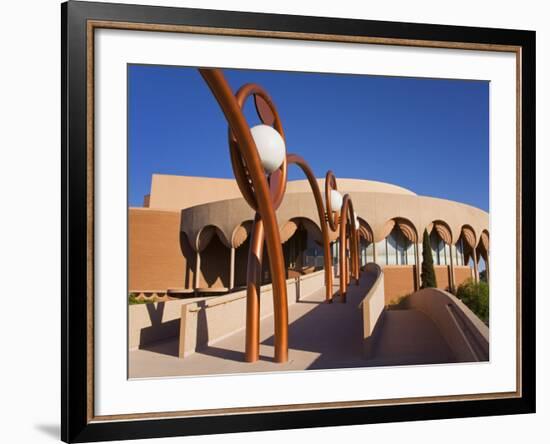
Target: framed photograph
276 221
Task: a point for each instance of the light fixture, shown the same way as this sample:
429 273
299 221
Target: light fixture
270 145
336 200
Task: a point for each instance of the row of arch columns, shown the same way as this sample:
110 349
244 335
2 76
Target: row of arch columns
476 250
205 235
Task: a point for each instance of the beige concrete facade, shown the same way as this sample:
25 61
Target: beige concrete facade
156 260
194 233
169 192
376 209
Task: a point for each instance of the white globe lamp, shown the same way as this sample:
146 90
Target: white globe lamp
336 200
270 145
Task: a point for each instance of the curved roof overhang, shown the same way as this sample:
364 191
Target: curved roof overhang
376 209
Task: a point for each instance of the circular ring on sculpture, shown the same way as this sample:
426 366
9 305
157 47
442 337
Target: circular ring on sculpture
330 184
268 115
347 217
241 174
263 102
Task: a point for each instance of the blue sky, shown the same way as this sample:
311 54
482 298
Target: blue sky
428 135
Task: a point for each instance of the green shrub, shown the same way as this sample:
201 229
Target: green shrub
399 303
476 297
483 275
133 299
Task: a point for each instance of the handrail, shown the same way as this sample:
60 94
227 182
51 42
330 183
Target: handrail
464 332
302 164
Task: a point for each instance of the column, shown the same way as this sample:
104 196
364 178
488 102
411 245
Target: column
452 273
476 272
336 259
197 269
232 270
417 267
253 283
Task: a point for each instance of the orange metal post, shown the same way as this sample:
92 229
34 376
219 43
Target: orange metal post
258 193
331 224
300 162
253 281
346 219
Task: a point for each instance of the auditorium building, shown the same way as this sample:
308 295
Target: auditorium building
191 236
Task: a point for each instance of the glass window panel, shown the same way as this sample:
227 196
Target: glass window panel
381 252
460 252
391 250
441 252
411 259
399 250
370 253
400 247
434 244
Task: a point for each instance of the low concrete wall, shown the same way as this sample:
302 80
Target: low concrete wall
399 281
464 332
462 274
202 321
442 276
155 321
372 306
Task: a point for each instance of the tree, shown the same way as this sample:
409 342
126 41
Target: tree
428 272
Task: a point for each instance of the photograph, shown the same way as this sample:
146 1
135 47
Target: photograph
282 221
319 221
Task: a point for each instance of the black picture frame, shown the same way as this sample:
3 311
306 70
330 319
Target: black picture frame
76 318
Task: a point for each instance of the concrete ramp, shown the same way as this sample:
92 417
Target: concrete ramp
434 327
409 337
466 335
431 326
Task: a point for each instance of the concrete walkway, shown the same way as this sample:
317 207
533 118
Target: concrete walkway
409 337
321 336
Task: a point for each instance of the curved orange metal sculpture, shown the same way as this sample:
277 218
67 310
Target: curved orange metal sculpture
327 258
345 222
264 195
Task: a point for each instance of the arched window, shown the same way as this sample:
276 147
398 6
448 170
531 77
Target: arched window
468 245
313 254
483 255
304 248
366 251
460 251
335 253
399 250
482 267
366 246
440 250
294 248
